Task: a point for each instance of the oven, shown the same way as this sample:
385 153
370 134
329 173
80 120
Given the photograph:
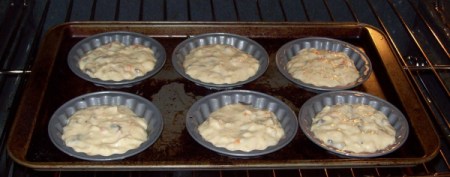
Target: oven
419 31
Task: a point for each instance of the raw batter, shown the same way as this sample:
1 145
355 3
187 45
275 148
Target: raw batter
105 130
323 68
220 64
115 61
353 127
242 127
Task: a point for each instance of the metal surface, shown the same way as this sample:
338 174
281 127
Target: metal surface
411 25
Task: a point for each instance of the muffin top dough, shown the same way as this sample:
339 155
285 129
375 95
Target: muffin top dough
353 127
105 130
323 68
242 127
116 62
220 64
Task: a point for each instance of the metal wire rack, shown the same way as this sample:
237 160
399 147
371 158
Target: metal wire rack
419 30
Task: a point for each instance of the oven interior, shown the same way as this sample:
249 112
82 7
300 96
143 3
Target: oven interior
419 30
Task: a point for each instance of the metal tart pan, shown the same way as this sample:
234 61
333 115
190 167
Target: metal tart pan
139 105
290 49
240 42
90 43
201 110
315 104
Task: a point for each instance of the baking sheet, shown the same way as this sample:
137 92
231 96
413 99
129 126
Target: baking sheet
51 84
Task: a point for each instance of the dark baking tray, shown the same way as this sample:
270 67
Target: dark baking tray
51 84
